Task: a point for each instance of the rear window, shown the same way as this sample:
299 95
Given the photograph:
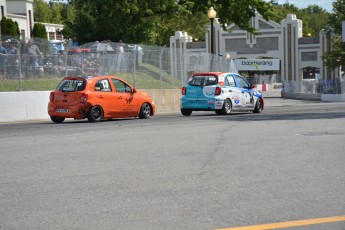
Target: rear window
203 80
71 85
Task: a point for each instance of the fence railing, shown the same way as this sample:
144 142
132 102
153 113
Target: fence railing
141 65
334 86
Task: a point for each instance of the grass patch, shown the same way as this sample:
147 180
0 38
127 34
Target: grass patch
144 81
149 78
43 84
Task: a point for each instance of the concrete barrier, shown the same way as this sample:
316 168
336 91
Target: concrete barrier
314 96
261 87
32 105
19 106
302 96
333 97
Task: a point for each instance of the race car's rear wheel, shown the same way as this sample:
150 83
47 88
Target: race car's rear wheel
57 119
95 114
227 106
258 106
186 112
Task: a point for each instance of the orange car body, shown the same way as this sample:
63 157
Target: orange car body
97 98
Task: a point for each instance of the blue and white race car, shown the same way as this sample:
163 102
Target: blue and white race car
220 92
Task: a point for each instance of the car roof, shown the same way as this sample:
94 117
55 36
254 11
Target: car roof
211 73
90 77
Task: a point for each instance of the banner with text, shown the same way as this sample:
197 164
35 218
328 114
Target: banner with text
257 64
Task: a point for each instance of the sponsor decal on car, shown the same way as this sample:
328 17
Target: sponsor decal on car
237 100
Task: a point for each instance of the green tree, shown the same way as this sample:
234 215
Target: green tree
68 20
39 31
131 21
191 16
149 21
337 16
9 28
239 11
42 11
316 20
56 10
336 57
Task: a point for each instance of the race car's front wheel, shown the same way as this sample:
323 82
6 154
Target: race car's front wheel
145 111
258 106
186 112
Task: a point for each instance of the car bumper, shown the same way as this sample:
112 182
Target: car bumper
201 103
76 112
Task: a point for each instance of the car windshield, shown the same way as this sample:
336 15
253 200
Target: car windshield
71 85
203 80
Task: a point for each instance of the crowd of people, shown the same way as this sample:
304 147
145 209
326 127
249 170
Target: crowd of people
9 59
30 59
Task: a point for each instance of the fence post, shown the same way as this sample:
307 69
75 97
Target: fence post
160 66
134 67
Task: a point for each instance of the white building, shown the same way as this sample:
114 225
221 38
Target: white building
21 11
278 49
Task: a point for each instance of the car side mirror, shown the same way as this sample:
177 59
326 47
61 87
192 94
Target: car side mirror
134 90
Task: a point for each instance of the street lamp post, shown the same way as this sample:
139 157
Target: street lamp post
212 15
228 58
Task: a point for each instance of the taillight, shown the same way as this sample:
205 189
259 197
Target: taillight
51 97
217 91
184 90
83 97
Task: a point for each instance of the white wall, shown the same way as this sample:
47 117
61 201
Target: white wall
20 106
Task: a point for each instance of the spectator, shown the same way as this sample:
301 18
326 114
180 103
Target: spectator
74 41
3 56
120 48
12 59
54 51
32 56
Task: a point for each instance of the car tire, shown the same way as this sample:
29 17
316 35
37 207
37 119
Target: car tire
145 111
258 106
95 114
227 107
186 112
57 119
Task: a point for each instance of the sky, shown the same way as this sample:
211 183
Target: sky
325 4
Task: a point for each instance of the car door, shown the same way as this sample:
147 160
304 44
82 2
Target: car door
126 105
233 91
104 96
244 88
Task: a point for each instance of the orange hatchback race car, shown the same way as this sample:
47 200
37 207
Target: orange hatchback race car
97 98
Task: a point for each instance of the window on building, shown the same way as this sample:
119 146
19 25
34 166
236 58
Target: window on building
309 56
51 36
